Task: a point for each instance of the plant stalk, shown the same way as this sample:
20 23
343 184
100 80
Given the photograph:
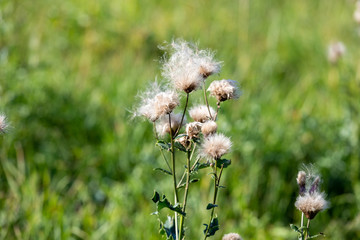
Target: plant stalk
307 230
182 218
206 101
182 117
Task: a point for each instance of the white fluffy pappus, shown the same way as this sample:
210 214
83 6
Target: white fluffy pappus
224 90
193 129
336 51
232 236
163 125
156 102
215 146
201 114
311 204
208 128
3 123
187 67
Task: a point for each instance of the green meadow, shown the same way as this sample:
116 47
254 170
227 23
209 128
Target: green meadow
75 165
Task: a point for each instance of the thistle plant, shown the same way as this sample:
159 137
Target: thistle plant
310 202
195 144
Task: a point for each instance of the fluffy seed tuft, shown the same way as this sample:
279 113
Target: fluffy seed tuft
201 113
156 102
311 204
163 126
231 236
208 128
301 180
193 129
224 90
215 146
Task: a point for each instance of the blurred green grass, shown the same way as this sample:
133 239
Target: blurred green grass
75 166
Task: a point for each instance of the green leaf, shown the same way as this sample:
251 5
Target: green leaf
163 170
317 235
180 147
164 145
180 136
295 228
164 203
210 206
191 181
168 228
199 166
214 226
224 162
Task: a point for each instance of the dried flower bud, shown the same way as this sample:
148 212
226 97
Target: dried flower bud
163 126
315 186
184 140
193 129
310 205
3 124
201 113
208 128
301 180
215 146
224 90
231 236
336 51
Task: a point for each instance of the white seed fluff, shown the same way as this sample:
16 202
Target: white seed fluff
311 204
187 67
156 102
208 128
224 90
3 124
201 114
193 129
231 236
163 125
336 51
215 146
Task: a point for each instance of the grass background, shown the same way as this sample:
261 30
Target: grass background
73 164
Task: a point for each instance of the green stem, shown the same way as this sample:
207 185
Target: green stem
182 219
206 101
183 115
302 224
307 230
217 110
174 175
216 188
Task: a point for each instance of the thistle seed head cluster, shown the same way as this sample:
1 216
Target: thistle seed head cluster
156 102
193 129
163 125
310 200
188 67
215 146
224 90
3 123
336 51
232 236
201 113
208 128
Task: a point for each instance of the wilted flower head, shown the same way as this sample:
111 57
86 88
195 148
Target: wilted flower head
188 67
310 200
163 125
193 129
184 140
156 102
357 12
3 124
215 146
201 113
231 236
208 128
336 51
311 204
224 90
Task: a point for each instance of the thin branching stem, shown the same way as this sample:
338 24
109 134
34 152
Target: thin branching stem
191 169
174 175
307 230
182 218
161 151
217 110
216 188
183 115
206 101
302 223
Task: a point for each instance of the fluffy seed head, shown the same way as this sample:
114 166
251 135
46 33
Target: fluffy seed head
156 102
336 51
311 204
301 180
3 124
215 146
163 126
224 90
201 113
193 129
187 67
231 236
184 140
208 128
